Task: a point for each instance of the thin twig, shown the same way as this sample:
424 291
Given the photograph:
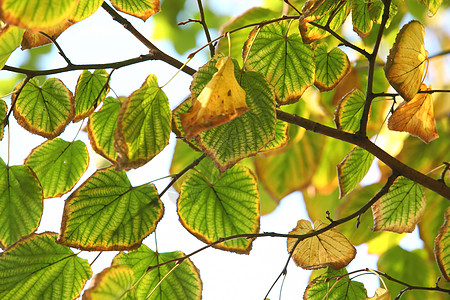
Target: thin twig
375 95
60 50
15 97
205 27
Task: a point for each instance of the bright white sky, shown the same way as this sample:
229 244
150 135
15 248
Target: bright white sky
225 275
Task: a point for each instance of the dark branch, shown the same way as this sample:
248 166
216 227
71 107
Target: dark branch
60 50
205 27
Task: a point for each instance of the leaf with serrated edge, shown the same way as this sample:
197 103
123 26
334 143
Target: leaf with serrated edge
353 169
20 203
349 111
331 67
328 249
107 213
143 125
3 111
90 91
38 268
58 165
401 208
213 205
84 9
283 59
111 283
10 39
142 9
185 277
44 110
32 39
442 247
362 22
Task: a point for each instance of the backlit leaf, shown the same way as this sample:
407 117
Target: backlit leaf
376 12
3 111
281 137
182 283
32 39
142 9
107 213
111 283
177 128
287 63
10 39
331 285
143 125
401 208
328 249
20 203
90 91
44 110
331 67
38 268
433 5
36 14
213 205
362 22
84 9
349 111
442 247
58 165
416 117
353 169
381 294
101 127
406 62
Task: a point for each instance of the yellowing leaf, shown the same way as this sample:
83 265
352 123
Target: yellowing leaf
405 64
10 38
416 117
142 9
328 249
33 39
111 283
381 294
222 100
442 247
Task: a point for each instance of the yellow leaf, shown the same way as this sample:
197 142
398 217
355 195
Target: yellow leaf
222 100
416 117
328 249
381 294
33 39
405 64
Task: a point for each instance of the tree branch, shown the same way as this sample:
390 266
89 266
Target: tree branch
205 27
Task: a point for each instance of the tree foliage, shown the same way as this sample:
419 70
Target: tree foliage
284 99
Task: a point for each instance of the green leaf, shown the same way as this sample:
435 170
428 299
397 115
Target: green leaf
433 5
38 268
3 112
213 205
401 208
331 67
112 283
143 125
281 137
349 111
10 39
283 59
142 9
107 213
36 14
58 165
84 9
44 110
327 286
442 247
238 38
182 157
177 127
353 169
101 127
182 283
20 203
362 22
245 135
91 90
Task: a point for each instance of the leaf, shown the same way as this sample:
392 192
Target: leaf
36 14
58 165
362 22
143 125
107 213
281 137
331 67
243 136
20 203
349 111
84 9
442 247
220 101
328 249
142 9
433 5
10 39
44 110
213 205
101 127
91 90
182 283
353 169
381 294
111 283
3 112
416 117
405 64
38 268
283 59
334 285
401 208
32 39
